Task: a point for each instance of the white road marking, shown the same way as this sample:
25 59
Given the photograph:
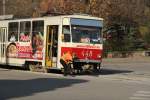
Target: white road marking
141 95
145 92
138 98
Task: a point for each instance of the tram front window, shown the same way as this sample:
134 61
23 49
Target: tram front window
86 34
66 33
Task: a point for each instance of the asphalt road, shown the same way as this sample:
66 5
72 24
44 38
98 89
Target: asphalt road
119 79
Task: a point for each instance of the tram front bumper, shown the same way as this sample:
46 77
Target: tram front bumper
88 61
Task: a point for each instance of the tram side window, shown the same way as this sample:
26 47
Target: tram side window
37 35
25 29
13 31
66 34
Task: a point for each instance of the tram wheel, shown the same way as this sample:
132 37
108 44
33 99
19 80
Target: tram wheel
37 68
31 68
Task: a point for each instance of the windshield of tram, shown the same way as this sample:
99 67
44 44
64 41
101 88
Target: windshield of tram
86 31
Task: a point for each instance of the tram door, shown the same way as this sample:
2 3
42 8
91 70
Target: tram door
52 46
3 40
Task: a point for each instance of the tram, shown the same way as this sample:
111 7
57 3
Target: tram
42 41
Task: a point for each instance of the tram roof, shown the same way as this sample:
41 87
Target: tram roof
59 16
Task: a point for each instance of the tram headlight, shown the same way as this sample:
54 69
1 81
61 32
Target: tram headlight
99 56
74 56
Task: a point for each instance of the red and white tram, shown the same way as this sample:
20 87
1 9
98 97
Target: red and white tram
42 41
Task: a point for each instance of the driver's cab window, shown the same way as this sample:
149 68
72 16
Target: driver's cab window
66 33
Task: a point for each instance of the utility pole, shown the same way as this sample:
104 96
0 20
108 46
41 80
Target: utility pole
4 7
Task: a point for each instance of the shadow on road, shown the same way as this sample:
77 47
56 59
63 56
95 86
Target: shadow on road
113 71
21 88
7 67
103 71
106 72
